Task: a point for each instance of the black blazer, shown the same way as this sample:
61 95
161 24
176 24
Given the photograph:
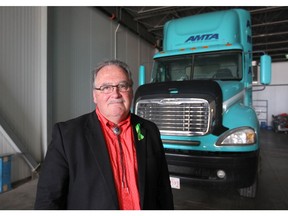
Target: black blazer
77 173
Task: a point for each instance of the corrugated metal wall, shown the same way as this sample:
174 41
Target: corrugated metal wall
23 81
79 38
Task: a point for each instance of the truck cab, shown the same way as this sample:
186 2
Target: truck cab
200 97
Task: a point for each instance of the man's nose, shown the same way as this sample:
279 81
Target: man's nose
116 90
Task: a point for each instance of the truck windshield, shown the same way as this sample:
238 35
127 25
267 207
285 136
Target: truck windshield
215 66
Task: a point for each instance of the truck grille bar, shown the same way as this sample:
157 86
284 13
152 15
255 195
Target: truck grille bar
177 116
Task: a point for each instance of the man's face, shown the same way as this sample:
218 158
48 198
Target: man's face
114 106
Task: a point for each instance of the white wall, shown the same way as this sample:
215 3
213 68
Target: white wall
276 93
23 81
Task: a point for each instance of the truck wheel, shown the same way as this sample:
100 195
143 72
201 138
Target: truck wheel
249 192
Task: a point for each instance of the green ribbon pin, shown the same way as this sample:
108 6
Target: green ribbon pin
140 136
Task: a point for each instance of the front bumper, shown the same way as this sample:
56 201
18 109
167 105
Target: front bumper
201 167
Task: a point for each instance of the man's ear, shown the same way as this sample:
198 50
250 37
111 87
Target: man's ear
94 96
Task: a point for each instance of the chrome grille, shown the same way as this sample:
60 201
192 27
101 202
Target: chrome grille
177 116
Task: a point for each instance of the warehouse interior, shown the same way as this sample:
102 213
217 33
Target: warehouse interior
46 58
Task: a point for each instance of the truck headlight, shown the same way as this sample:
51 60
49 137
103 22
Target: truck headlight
238 136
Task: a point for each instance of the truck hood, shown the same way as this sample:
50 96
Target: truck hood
230 88
209 90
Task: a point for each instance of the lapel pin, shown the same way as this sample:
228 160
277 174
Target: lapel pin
138 130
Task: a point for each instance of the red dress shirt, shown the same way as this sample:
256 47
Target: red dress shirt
123 160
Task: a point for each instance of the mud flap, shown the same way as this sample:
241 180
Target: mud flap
249 192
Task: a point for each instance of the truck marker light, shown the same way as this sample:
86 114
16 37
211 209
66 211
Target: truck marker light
173 91
205 47
228 44
182 49
193 48
250 137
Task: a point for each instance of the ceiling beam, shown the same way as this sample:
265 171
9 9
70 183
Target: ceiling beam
269 34
154 10
263 10
146 16
270 23
275 49
270 43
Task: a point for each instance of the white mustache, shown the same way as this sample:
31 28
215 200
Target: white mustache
120 100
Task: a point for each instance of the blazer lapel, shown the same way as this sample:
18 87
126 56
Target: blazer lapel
140 146
98 147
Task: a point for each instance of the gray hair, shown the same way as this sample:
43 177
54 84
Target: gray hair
115 62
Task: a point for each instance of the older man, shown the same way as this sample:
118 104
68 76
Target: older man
107 159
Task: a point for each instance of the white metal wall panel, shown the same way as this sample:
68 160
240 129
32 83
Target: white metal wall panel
5 147
22 79
82 38
70 63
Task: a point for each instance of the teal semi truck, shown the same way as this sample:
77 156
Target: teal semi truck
200 97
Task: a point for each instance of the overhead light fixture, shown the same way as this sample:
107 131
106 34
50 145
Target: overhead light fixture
286 56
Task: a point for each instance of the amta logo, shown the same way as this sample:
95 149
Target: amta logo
203 37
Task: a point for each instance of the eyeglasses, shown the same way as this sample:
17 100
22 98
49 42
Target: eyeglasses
122 87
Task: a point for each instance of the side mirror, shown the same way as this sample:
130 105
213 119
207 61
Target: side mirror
142 75
265 69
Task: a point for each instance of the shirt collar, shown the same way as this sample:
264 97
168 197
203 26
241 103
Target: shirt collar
123 124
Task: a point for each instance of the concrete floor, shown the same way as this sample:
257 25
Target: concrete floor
272 189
